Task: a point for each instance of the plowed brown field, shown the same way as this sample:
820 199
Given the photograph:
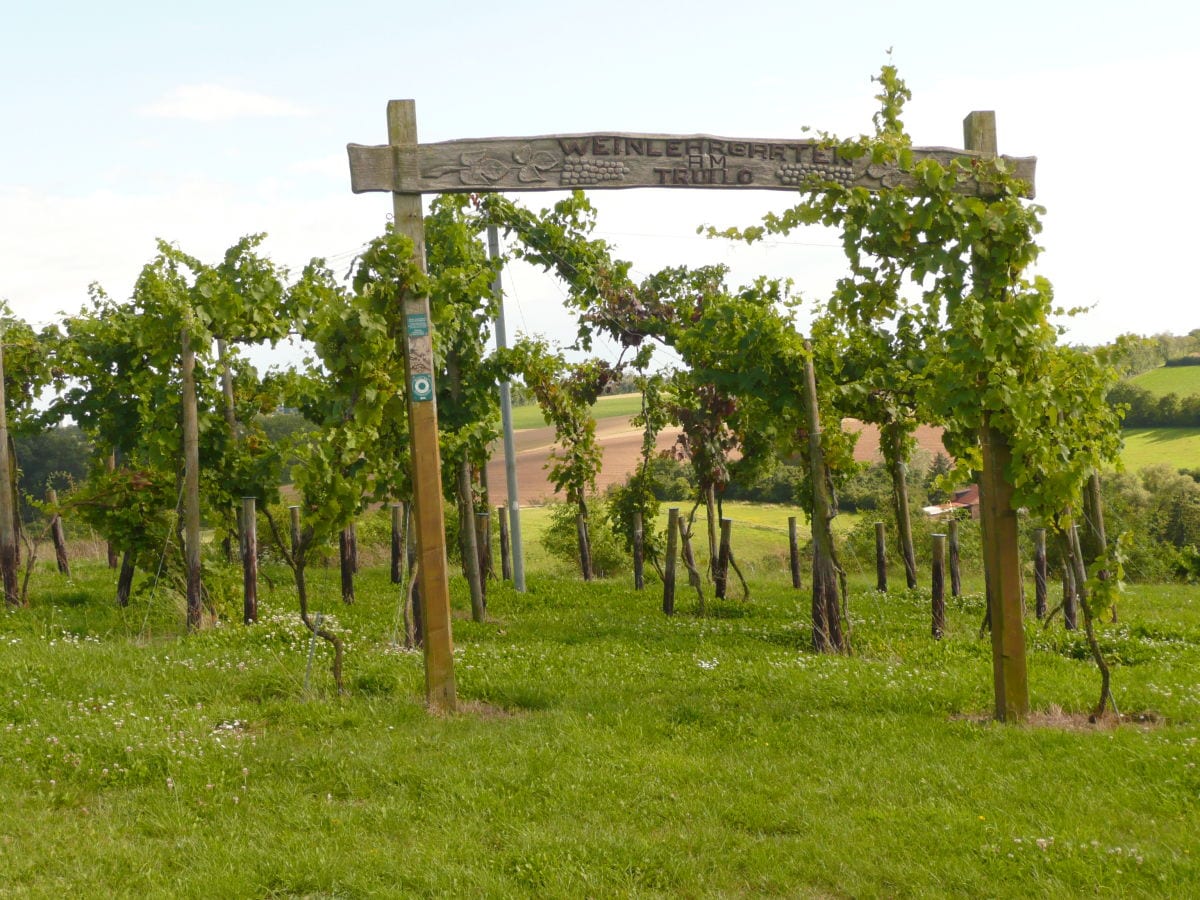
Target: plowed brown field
622 446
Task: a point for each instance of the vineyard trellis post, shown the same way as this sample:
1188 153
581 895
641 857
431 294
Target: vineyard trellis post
1002 560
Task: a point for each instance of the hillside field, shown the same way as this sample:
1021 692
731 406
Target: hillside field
1178 448
1181 380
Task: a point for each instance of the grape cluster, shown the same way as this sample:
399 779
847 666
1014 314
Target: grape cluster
795 173
593 171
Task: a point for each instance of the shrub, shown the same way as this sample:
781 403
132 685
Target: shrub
562 542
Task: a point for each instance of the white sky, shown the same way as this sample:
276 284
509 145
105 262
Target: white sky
198 123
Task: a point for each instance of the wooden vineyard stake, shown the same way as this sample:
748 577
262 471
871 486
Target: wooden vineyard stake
58 536
689 560
397 544
1001 548
669 562
346 563
955 563
881 581
1070 599
639 552
505 549
191 482
938 628
249 549
8 533
1039 572
721 581
794 552
110 466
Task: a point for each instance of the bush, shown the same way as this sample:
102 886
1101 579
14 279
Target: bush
672 479
775 486
562 541
622 501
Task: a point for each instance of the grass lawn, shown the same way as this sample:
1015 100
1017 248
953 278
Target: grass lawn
530 415
1177 447
1181 380
759 537
603 750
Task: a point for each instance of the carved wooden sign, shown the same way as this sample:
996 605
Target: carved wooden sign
611 160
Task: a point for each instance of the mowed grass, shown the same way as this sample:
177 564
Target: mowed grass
1178 448
1181 380
603 750
759 536
626 405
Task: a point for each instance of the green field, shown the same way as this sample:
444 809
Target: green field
1178 448
1181 380
760 536
603 750
530 415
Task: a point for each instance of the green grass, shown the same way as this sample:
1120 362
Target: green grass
1181 380
530 415
604 750
760 536
1177 447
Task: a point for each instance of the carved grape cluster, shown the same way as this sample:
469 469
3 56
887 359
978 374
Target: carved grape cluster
593 171
796 173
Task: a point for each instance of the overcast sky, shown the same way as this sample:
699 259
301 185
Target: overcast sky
198 123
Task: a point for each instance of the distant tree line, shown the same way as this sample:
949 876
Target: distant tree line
1133 354
1147 410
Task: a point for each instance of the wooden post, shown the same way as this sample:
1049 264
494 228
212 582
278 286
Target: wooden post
585 545
955 571
939 586
426 458
110 465
1094 540
721 582
418 615
397 558
881 581
1070 598
57 535
710 509
505 550
249 547
8 534
794 552
669 562
1039 571
1002 550
826 609
468 542
346 564
639 552
125 578
191 480
294 529
231 423
689 561
483 535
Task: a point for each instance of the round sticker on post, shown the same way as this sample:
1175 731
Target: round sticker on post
422 388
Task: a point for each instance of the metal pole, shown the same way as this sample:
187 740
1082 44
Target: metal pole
510 450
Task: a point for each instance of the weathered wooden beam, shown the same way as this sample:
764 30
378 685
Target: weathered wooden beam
610 160
998 515
429 521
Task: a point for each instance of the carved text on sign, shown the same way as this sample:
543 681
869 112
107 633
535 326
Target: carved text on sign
612 160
